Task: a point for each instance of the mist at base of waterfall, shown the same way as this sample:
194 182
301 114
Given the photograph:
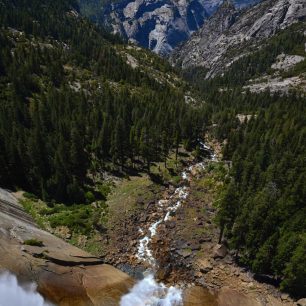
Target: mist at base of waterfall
12 294
148 292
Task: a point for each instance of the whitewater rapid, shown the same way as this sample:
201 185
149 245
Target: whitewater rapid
168 206
12 294
148 292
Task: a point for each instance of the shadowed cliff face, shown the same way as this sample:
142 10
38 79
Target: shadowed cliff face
64 274
159 25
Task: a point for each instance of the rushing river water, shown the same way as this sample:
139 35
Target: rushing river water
148 292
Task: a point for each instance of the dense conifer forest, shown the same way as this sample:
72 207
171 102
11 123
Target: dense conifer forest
262 209
51 133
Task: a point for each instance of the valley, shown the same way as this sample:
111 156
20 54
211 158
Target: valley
181 246
172 238
152 153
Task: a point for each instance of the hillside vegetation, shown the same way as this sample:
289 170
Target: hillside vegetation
73 106
262 208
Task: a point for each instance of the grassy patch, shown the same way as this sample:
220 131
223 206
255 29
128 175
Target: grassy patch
127 196
197 214
33 208
78 221
34 242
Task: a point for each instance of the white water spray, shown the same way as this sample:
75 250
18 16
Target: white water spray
12 294
204 146
149 293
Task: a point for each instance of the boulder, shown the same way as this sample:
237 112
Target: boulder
185 252
163 274
170 224
143 218
284 296
220 251
194 246
204 265
301 302
64 274
63 232
205 239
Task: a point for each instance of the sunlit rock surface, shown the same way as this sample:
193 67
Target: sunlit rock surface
231 29
64 274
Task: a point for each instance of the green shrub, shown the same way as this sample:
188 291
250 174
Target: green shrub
30 196
76 217
89 196
34 242
104 190
176 179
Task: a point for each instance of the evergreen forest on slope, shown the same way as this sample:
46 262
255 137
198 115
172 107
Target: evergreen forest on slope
70 104
262 211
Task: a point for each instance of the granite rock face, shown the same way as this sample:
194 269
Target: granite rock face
229 29
285 62
159 25
64 274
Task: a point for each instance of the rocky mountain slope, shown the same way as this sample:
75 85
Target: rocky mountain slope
230 34
64 274
155 24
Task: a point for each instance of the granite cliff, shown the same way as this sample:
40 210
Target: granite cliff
230 34
159 25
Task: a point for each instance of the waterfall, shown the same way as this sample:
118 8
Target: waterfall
12 294
148 292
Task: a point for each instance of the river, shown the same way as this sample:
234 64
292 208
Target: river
148 292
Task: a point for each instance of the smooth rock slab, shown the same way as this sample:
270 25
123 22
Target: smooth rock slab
64 274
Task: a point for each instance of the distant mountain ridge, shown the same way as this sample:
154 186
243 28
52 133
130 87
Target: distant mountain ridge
159 25
229 34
